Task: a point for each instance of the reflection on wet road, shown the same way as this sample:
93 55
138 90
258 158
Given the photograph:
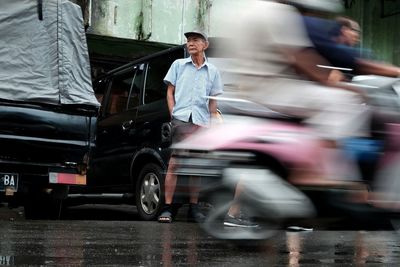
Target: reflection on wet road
136 243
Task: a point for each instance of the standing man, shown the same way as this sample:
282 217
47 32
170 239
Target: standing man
190 81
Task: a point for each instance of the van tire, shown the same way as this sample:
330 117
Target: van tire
149 192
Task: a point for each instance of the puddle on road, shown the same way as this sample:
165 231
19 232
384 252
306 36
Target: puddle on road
135 243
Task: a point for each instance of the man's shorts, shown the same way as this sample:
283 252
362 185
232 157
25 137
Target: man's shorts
182 129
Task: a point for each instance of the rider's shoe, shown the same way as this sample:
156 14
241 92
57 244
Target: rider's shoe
238 222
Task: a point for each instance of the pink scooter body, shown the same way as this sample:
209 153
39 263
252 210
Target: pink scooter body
291 144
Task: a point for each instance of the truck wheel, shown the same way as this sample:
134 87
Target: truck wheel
149 191
40 204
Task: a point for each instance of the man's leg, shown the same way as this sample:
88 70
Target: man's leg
171 178
170 181
166 215
194 188
194 212
235 216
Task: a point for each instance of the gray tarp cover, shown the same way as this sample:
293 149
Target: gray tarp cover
45 60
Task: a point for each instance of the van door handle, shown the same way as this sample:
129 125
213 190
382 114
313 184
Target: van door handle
127 124
146 132
146 128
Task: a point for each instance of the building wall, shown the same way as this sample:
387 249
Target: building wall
157 20
380 33
165 21
151 20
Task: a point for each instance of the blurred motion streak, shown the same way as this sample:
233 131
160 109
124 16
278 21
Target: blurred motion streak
293 143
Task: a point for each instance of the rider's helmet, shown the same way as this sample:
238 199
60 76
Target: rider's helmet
326 6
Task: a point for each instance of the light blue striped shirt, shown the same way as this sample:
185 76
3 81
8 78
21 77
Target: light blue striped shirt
192 86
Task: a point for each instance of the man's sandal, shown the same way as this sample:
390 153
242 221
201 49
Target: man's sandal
165 217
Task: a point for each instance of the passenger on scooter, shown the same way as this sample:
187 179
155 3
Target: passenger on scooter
334 41
348 31
327 37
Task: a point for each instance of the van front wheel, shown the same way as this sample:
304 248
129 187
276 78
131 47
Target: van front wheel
149 194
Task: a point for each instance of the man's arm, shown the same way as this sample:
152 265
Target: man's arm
306 62
212 106
216 117
365 66
171 98
217 89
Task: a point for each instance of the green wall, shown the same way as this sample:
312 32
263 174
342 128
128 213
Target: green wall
165 21
380 33
162 21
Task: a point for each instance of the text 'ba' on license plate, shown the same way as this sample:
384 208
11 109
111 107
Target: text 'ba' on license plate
8 181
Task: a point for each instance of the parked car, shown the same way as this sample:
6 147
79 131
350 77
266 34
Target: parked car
133 133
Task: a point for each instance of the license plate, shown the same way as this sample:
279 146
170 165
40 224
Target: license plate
9 181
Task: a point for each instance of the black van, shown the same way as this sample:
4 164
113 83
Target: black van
133 133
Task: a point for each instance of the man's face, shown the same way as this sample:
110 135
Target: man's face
196 44
352 35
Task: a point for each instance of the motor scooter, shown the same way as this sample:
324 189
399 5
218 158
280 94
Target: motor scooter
257 149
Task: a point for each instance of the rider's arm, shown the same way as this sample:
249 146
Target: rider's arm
306 62
365 66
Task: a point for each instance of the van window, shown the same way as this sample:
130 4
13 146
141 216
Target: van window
125 91
134 96
100 89
155 88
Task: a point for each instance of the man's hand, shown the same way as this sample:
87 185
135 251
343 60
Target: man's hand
354 89
216 118
336 76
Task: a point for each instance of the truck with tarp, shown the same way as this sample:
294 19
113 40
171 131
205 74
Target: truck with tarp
48 109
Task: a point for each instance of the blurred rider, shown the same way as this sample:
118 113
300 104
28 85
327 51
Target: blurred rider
348 31
336 46
277 66
335 40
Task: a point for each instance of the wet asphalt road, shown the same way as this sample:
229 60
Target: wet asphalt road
112 236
